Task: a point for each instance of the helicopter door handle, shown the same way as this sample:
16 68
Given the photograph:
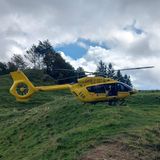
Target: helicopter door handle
106 92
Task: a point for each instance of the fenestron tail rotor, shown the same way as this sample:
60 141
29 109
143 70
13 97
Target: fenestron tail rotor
22 88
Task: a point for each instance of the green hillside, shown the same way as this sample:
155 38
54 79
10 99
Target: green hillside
55 126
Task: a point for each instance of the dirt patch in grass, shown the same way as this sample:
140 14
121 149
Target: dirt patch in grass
119 151
110 151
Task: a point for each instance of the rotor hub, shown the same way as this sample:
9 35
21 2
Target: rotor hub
22 89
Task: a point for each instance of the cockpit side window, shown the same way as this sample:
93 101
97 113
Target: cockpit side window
123 87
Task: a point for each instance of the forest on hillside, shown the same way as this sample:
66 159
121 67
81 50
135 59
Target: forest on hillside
43 57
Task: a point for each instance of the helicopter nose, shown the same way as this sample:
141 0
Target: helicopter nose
134 91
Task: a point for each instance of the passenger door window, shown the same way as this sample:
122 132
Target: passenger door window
96 89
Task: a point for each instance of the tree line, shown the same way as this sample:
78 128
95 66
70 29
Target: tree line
108 71
44 57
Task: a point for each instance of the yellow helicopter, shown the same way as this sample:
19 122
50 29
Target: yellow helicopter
87 89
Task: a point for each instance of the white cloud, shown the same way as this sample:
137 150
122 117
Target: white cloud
63 21
133 55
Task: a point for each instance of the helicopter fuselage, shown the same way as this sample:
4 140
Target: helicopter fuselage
98 89
87 89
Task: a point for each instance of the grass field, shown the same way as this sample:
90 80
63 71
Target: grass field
55 126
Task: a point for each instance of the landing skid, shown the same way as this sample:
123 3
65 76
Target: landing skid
114 102
117 102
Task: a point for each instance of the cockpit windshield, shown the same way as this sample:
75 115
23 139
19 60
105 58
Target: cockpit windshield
102 88
123 87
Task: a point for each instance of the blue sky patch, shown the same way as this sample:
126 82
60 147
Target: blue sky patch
73 50
79 48
133 28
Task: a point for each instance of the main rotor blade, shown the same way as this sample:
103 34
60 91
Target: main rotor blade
69 78
64 70
70 70
125 69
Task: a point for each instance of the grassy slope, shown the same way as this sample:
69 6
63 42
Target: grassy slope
54 125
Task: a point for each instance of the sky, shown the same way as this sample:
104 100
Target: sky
124 32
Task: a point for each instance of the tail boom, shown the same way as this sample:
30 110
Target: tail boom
53 88
23 89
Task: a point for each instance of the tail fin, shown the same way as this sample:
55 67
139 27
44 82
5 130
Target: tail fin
22 88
